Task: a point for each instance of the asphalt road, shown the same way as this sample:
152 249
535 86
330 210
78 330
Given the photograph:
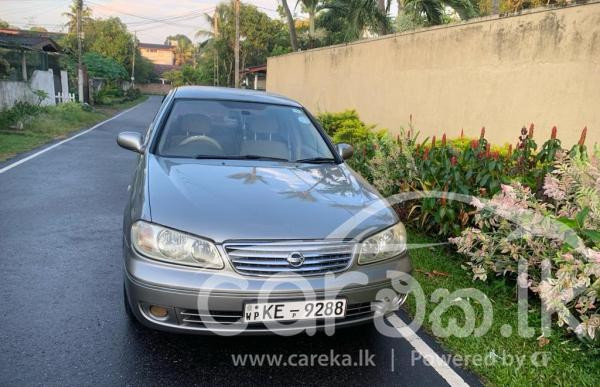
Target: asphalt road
62 320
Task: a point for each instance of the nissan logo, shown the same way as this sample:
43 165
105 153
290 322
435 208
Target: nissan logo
295 259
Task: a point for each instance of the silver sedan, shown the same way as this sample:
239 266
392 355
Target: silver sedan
243 218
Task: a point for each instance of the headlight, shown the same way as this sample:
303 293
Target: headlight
383 245
173 246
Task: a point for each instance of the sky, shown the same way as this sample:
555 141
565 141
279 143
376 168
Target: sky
134 13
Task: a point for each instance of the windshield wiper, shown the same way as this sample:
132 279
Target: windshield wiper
317 160
242 157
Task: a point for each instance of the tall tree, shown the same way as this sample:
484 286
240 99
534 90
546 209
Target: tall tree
434 10
291 25
261 35
184 49
358 17
86 16
311 7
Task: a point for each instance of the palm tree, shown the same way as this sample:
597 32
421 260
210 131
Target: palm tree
184 48
311 7
86 16
433 10
291 25
360 16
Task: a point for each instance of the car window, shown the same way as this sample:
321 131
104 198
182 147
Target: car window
231 129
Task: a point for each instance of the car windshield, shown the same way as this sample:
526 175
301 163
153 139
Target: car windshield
206 129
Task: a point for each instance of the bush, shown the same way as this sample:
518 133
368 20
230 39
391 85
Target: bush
18 113
560 231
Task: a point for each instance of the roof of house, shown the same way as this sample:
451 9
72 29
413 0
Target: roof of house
255 69
29 40
230 94
156 46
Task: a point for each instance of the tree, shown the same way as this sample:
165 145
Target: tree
432 12
354 18
103 67
86 16
311 7
38 29
184 49
291 25
260 34
188 75
4 24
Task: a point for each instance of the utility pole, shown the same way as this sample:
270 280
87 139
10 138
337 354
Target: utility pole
216 35
133 60
79 64
237 43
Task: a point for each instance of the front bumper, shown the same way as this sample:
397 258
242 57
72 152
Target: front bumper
205 302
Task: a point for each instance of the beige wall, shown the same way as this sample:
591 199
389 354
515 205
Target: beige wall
542 67
158 56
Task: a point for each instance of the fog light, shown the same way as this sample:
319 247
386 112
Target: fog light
159 311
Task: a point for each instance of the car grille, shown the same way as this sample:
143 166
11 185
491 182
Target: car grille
270 258
194 318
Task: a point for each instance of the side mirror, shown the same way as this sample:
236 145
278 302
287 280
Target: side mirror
345 150
132 141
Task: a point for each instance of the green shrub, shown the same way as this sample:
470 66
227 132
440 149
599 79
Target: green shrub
560 230
345 127
19 112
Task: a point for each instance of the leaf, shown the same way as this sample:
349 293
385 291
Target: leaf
581 216
592 235
571 223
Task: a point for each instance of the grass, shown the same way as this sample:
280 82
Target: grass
570 362
55 123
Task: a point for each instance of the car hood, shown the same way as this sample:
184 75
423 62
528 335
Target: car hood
258 200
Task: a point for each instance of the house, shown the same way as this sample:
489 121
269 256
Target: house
161 55
255 77
29 63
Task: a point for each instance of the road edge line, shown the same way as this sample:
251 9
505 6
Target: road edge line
432 358
36 154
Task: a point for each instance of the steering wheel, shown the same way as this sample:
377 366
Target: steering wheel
203 139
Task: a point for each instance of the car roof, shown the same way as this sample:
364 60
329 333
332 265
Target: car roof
230 94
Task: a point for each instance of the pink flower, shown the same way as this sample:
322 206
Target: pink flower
552 188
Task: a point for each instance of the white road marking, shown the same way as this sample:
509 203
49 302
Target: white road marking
427 353
19 162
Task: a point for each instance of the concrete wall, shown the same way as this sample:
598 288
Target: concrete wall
13 91
541 67
154 88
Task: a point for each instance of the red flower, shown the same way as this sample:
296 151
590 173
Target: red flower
474 144
582 138
530 135
553 135
444 140
433 142
482 132
495 155
487 150
509 150
462 133
453 160
426 154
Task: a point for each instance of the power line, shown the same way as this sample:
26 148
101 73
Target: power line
167 20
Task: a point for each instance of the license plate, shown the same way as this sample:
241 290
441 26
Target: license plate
294 310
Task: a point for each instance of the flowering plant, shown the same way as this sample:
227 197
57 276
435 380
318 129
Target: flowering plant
559 235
